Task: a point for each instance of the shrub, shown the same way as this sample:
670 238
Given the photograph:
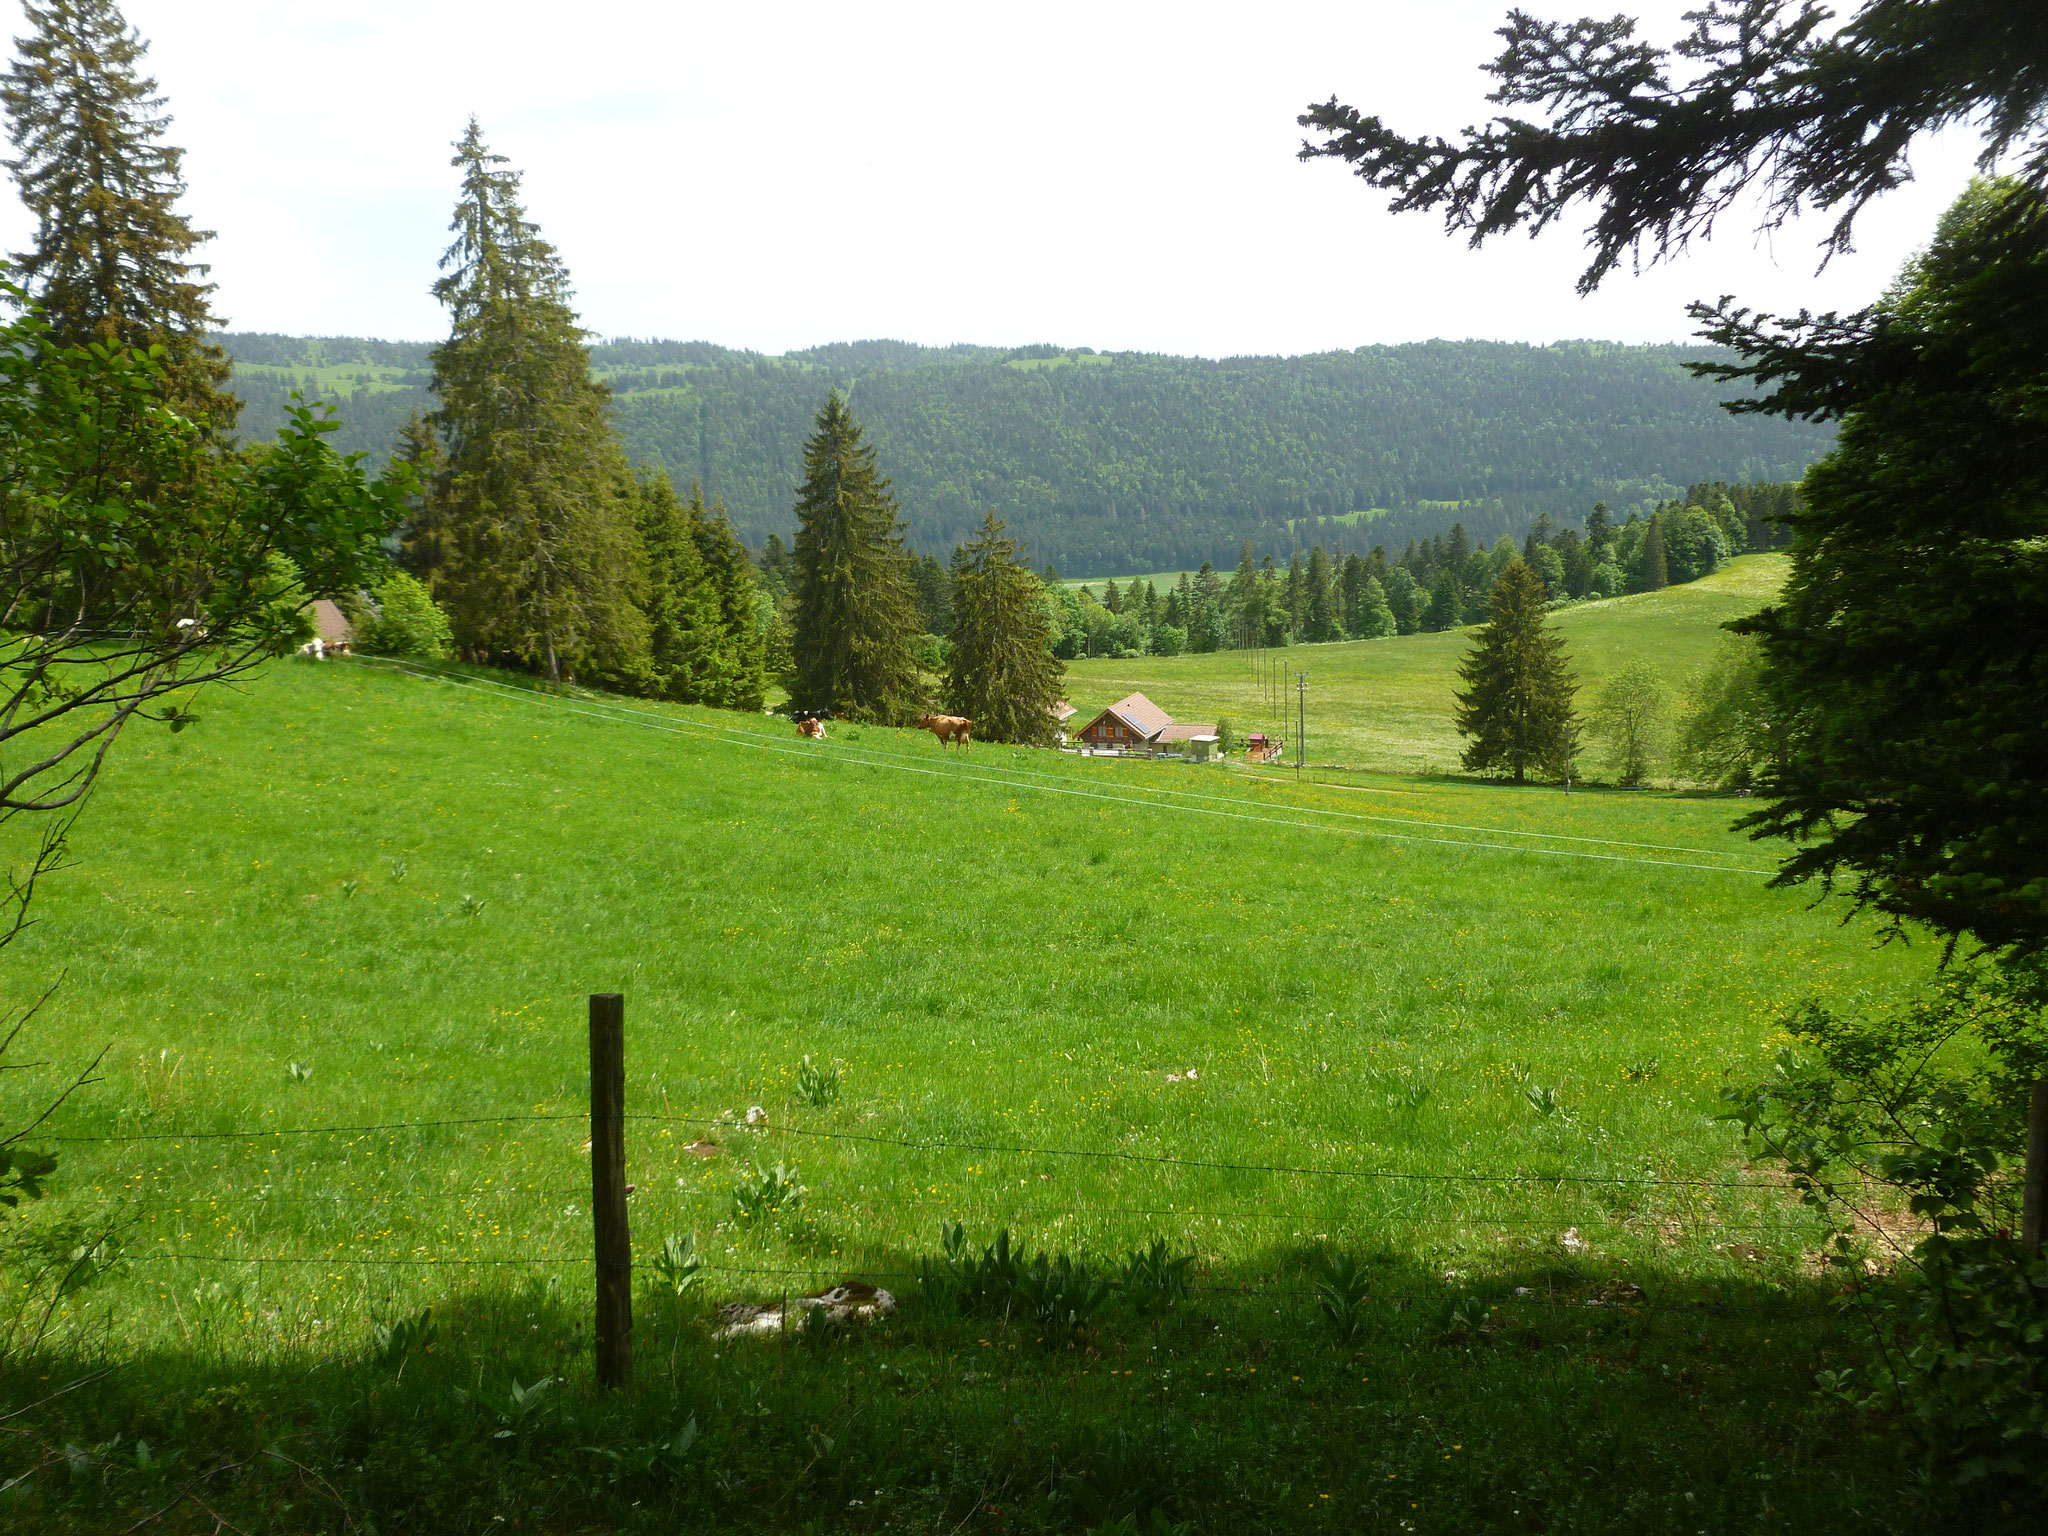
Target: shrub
403 620
1929 1101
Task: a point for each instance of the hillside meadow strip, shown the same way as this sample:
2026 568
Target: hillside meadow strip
367 904
1388 704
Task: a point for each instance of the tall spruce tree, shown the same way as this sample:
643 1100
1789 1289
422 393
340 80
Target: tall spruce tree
683 615
423 546
1653 571
1001 672
544 559
856 617
1320 611
1445 608
1517 702
739 650
110 259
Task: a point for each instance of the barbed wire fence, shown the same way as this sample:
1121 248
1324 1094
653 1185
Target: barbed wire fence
611 1252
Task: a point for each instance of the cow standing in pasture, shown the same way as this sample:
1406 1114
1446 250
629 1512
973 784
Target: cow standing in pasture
948 728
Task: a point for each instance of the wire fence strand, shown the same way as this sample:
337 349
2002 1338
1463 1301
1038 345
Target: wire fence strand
983 1148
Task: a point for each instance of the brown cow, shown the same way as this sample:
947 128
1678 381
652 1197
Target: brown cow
815 729
948 728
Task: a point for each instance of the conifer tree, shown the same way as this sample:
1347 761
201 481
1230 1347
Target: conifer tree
775 567
109 261
1517 703
1444 607
1319 617
1458 550
738 653
1600 533
1351 590
856 614
1242 581
424 550
684 620
1653 572
1001 672
1406 599
544 556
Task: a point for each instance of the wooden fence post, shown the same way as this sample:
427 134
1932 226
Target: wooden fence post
2034 1199
608 1189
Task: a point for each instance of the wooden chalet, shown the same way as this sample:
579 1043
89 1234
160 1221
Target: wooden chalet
1136 724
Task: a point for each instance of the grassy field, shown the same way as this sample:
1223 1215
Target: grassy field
1387 704
1468 1036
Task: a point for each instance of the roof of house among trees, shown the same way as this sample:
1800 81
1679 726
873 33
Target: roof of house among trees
330 623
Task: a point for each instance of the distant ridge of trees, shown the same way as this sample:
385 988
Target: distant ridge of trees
1129 462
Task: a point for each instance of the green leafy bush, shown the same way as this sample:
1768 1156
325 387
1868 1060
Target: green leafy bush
1928 1102
402 619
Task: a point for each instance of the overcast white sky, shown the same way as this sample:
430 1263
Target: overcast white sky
1114 174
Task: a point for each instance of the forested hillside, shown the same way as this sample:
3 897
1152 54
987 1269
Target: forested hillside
1106 464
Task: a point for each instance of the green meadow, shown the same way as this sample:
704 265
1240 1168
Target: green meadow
336 939
1387 704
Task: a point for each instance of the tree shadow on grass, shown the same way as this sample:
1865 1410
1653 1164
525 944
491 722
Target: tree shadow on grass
1542 1396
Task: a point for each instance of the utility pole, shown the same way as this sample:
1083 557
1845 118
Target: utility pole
1301 724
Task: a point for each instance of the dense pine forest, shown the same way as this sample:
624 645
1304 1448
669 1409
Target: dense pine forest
1112 464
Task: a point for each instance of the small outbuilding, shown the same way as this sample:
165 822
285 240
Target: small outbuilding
1061 712
332 625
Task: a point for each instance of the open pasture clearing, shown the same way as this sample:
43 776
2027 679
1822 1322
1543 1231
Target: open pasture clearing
407 887
1387 704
